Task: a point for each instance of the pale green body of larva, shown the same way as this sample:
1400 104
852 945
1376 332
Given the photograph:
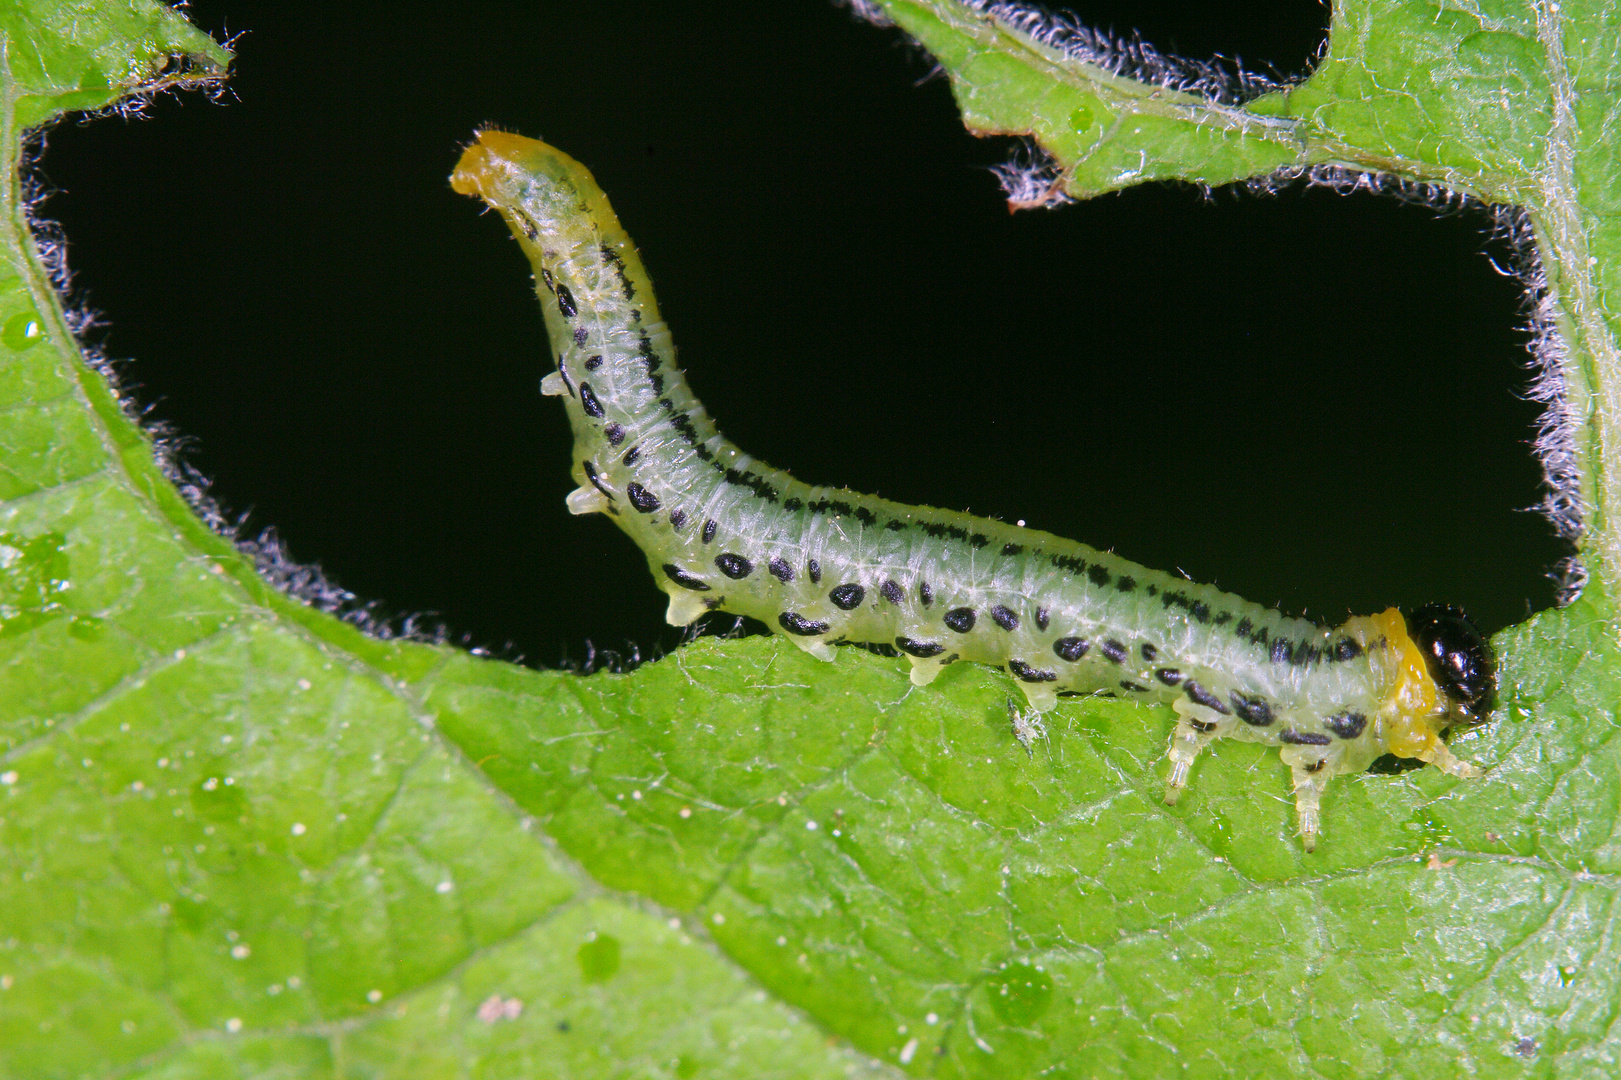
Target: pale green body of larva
724 531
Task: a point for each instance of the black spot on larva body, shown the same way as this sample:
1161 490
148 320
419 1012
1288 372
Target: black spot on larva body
1041 618
1152 590
940 531
532 231
615 434
1149 652
781 570
1125 583
793 505
733 566
580 335
978 540
1252 710
923 650
925 593
798 624
814 569
689 434
589 402
1012 549
1345 649
1200 611
1347 725
678 518
1223 619
709 530
892 592
625 285
1069 563
1303 738
758 484
1306 655
593 362
1115 651
1317 766
684 579
1133 687
1026 673
960 619
1200 696
1280 651
591 475
1170 676
1205 726
631 455
1099 576
1004 617
641 498
847 597
565 301
1071 648
546 278
895 525
1243 627
866 517
1259 637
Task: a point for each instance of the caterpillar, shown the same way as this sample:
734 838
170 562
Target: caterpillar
723 531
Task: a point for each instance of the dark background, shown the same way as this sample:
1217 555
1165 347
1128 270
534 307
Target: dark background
1312 400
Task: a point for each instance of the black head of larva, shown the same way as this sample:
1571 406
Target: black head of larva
1459 659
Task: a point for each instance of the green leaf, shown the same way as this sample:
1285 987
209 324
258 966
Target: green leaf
242 838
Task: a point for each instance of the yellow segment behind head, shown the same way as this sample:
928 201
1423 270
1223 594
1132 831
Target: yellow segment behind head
1411 703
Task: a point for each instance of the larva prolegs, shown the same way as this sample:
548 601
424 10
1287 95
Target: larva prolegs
683 609
1441 756
723 531
1308 788
1028 727
923 671
1193 733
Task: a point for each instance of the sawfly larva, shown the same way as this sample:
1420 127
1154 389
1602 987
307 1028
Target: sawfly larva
723 531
